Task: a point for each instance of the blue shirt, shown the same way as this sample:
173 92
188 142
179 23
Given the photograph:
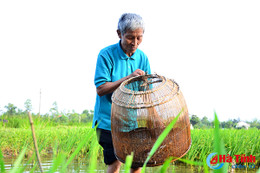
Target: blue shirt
112 65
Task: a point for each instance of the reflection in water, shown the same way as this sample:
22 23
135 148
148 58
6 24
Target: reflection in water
82 165
75 166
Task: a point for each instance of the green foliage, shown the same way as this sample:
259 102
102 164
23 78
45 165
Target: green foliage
18 161
194 120
62 141
219 146
28 105
2 165
66 147
57 161
11 109
227 124
93 155
78 149
255 124
56 117
166 165
16 121
128 162
69 136
205 123
22 121
16 117
54 109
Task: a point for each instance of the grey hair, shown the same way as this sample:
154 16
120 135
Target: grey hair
130 21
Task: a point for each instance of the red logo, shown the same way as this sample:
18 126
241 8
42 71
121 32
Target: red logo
228 159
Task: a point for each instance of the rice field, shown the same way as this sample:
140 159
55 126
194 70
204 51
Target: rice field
68 143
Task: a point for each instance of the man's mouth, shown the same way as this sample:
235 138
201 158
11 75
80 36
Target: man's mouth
133 48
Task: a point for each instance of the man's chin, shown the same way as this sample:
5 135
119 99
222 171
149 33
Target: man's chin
133 50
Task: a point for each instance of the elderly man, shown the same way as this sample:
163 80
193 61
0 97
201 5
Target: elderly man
115 64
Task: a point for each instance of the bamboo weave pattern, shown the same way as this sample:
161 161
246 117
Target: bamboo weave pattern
141 109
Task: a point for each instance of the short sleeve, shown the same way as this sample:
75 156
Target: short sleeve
103 69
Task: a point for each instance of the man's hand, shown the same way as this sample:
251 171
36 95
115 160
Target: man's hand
109 87
137 72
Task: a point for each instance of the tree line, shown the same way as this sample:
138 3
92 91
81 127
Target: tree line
54 114
204 123
87 115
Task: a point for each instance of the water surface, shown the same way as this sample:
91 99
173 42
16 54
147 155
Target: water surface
82 166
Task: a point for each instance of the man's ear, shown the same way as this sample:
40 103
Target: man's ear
119 33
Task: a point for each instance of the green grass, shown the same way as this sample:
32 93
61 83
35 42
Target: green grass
66 138
235 142
72 142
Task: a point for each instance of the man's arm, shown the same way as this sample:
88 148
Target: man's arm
109 87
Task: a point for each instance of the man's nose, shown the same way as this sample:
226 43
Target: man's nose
135 42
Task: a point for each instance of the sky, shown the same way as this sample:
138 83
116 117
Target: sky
210 48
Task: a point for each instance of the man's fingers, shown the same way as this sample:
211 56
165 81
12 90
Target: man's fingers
140 72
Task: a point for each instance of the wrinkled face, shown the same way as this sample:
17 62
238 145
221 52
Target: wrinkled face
131 40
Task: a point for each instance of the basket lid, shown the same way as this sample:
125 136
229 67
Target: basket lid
145 91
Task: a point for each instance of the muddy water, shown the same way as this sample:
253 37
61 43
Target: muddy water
82 166
75 166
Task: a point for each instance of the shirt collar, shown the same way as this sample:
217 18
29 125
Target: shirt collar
122 53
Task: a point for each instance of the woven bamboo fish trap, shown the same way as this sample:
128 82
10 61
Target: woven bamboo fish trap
141 109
